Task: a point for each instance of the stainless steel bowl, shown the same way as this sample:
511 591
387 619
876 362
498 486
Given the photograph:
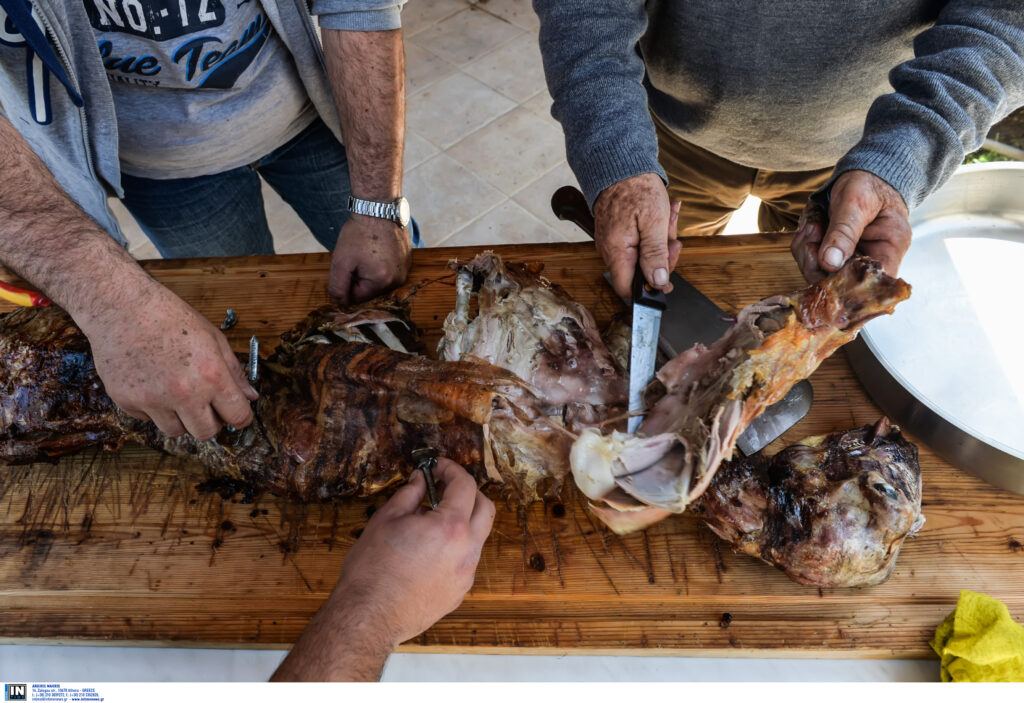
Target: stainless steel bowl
949 364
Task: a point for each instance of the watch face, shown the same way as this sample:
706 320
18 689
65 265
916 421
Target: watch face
403 212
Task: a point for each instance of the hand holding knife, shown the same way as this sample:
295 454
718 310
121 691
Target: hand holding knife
693 319
648 305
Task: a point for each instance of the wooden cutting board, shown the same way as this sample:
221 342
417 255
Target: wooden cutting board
125 549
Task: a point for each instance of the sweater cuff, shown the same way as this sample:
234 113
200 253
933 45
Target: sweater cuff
895 163
379 17
607 166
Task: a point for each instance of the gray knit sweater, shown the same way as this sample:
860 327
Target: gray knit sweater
900 88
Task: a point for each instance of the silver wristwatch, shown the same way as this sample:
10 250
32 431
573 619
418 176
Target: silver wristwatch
396 210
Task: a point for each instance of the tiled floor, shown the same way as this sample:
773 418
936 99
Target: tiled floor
483 154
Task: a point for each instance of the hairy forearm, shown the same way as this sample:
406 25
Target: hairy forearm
47 239
367 74
339 644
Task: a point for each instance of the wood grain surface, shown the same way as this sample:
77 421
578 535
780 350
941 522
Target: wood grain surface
124 548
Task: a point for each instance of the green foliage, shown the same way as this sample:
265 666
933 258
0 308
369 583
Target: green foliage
984 156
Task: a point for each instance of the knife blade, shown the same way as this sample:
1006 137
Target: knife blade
648 305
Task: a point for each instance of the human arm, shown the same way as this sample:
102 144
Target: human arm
157 357
595 77
366 67
409 568
968 72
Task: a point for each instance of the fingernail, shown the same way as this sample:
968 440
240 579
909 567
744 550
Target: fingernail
834 257
660 277
254 392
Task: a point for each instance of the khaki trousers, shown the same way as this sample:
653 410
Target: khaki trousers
712 188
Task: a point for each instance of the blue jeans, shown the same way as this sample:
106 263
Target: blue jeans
223 214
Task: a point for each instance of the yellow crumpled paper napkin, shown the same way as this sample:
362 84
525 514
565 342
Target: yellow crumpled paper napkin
979 641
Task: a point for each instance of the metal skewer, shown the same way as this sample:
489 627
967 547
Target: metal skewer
426 461
252 371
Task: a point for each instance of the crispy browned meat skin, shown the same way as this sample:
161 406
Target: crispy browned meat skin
828 511
340 412
51 401
337 416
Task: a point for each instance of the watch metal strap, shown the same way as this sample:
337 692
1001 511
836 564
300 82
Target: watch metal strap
385 211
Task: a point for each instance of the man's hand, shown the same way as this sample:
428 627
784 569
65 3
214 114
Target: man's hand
414 565
635 215
168 364
865 215
411 567
372 256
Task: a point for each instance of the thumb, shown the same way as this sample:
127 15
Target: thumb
849 213
655 232
407 498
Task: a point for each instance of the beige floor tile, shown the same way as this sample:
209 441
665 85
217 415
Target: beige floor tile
467 36
417 150
540 105
139 245
423 67
284 224
301 243
452 108
144 250
515 70
512 151
518 12
508 223
417 15
445 196
536 198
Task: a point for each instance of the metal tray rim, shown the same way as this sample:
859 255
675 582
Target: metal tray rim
920 398
955 440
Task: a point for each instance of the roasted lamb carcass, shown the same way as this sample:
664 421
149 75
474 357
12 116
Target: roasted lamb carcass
831 510
346 397
344 412
343 403
702 400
